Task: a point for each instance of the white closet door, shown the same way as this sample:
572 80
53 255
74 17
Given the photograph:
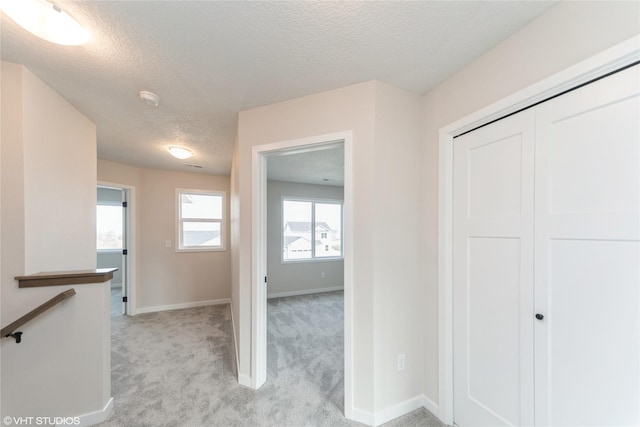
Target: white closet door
493 274
587 257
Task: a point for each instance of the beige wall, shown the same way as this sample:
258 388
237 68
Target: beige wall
164 277
297 277
565 35
48 224
350 108
385 122
397 267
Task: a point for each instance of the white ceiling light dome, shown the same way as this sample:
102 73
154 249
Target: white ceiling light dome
149 98
45 20
180 152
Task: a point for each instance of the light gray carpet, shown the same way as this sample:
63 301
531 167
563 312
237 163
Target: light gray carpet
177 368
116 302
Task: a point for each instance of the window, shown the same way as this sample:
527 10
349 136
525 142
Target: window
108 227
200 220
311 229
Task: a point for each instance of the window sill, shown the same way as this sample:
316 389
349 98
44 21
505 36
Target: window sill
180 250
109 251
311 260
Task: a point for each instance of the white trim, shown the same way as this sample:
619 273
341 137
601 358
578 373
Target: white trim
398 410
607 61
258 290
222 221
431 406
245 380
97 417
183 305
305 292
235 339
130 279
259 269
395 411
363 417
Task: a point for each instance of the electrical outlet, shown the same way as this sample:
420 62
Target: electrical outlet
401 362
167 243
322 274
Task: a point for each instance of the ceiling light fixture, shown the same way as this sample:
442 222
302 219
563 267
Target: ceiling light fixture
180 152
46 20
149 98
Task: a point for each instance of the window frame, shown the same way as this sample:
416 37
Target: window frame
179 221
313 202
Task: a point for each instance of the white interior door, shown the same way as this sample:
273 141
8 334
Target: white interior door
493 274
587 268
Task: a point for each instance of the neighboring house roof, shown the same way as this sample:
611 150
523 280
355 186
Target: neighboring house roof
288 240
303 226
198 238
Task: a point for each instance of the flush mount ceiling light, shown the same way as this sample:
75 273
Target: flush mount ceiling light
149 98
46 20
180 152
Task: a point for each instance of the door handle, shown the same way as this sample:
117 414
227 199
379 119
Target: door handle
539 316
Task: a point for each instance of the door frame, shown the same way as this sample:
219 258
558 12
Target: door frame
129 275
609 60
259 253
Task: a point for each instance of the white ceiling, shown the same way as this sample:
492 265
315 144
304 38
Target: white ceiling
208 60
323 166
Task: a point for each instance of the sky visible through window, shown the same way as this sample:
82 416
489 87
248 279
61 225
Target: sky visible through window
200 220
109 227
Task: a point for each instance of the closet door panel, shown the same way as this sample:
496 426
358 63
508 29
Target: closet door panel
493 269
587 259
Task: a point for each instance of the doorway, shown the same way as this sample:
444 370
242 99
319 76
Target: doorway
112 242
261 155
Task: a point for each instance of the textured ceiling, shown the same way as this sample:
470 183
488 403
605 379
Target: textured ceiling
208 60
321 166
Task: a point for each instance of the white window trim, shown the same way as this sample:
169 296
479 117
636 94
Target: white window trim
222 221
313 258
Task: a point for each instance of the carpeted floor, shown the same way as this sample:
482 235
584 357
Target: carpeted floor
116 302
177 368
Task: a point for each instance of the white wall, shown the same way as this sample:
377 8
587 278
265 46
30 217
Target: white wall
164 277
62 366
298 277
565 35
350 108
386 180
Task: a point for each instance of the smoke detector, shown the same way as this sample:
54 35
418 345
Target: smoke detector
149 98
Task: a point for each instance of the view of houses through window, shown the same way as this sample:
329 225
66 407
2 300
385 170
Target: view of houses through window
311 229
200 220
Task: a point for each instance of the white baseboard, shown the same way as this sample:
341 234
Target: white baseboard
398 410
395 411
97 417
183 305
305 292
235 341
244 380
362 417
432 407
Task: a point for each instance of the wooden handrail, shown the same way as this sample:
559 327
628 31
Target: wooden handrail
8 331
61 278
